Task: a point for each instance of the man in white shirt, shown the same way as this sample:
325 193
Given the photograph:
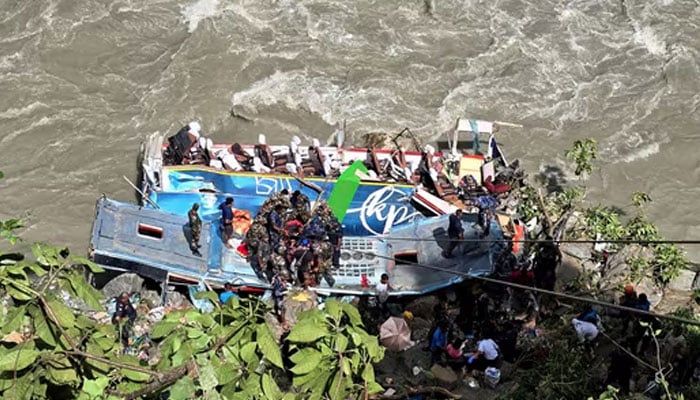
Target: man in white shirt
586 331
382 291
487 354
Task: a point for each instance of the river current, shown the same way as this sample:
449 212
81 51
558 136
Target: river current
85 82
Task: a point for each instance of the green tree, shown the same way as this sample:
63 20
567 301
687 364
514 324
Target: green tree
582 154
51 351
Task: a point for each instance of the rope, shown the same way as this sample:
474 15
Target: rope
540 290
621 347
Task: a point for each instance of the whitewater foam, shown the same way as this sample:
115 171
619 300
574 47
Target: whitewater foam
200 10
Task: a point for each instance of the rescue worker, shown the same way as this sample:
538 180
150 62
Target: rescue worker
255 234
275 225
279 289
302 262
335 238
263 257
195 223
278 262
323 253
455 232
301 205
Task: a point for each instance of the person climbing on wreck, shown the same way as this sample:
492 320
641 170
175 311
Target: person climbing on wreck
195 223
455 232
227 220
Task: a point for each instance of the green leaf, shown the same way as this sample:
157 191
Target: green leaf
341 343
339 386
95 388
307 364
164 328
346 367
177 342
18 271
18 291
207 377
268 346
63 376
270 388
252 386
368 373
132 375
94 268
182 389
85 291
41 326
352 313
318 385
308 331
209 295
374 387
333 308
18 359
13 319
194 333
248 353
226 373
63 314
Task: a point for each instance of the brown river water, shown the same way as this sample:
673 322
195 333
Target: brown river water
84 82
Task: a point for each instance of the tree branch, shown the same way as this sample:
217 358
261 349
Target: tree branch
167 378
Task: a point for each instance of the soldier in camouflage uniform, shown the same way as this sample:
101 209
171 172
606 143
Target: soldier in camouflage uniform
262 257
272 202
301 205
255 233
278 261
323 253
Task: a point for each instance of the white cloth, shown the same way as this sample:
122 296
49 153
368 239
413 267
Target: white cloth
585 330
195 129
294 149
229 160
488 348
382 290
259 167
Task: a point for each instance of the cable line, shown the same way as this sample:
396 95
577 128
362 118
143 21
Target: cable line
591 241
540 290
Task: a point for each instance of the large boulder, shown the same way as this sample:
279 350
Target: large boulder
684 281
445 375
575 258
129 283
